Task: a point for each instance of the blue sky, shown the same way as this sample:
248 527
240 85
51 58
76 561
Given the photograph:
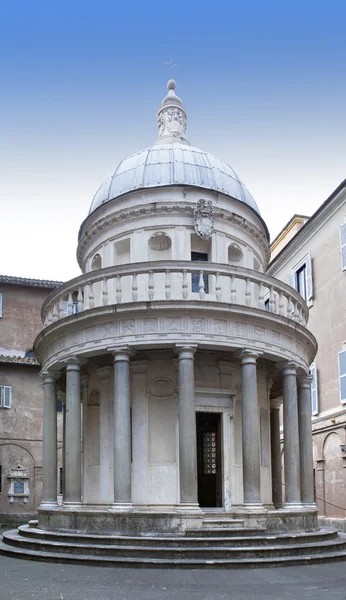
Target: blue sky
263 84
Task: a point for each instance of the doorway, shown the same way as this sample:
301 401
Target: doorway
209 466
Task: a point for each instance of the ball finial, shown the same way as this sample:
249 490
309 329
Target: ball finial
171 85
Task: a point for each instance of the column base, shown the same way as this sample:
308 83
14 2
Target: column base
189 507
121 507
309 506
292 506
72 505
255 507
48 505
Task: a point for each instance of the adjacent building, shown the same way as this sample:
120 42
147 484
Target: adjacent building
21 396
313 262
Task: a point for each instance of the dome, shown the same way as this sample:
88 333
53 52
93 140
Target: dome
172 161
172 164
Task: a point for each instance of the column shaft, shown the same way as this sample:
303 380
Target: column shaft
122 427
187 426
291 435
251 430
276 454
50 465
305 440
73 478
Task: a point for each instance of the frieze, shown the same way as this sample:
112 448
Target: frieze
221 332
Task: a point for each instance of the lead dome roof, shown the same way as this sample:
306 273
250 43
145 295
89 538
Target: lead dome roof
172 161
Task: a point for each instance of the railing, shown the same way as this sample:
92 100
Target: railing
172 280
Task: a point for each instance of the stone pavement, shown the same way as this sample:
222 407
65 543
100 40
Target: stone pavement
28 580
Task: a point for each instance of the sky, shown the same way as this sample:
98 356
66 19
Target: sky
263 84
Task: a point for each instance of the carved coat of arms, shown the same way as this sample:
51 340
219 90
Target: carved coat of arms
204 219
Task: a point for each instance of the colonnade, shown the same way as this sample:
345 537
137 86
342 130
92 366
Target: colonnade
297 434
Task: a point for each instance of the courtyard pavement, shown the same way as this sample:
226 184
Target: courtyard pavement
28 580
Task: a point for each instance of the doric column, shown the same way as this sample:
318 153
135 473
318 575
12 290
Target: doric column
276 452
73 432
305 440
250 429
122 428
187 427
291 436
49 450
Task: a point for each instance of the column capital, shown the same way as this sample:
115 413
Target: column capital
288 367
304 381
186 351
74 363
49 375
121 353
249 356
276 403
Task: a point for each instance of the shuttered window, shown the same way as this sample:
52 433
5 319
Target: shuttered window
343 246
5 396
313 390
0 305
342 376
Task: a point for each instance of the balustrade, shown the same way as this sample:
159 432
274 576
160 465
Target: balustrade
164 281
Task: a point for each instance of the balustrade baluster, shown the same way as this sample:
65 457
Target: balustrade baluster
91 295
281 304
118 290
218 287
168 285
272 300
261 304
70 304
80 300
55 312
233 290
296 311
201 286
151 285
290 307
104 291
301 315
184 285
247 292
61 308
134 288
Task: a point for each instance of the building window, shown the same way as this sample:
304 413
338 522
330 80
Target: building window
342 376
5 396
201 257
313 390
343 246
0 305
60 481
301 278
58 405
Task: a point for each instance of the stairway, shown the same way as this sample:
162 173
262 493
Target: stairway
217 545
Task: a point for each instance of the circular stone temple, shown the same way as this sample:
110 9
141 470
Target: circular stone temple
178 361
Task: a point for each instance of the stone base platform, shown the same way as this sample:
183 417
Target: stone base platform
88 519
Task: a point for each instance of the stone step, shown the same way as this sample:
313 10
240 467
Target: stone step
225 531
180 540
167 552
219 522
278 560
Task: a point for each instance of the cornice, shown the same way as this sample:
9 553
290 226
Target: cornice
133 213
